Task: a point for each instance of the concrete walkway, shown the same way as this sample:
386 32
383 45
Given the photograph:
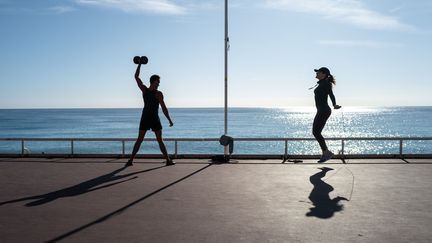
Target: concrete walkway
99 200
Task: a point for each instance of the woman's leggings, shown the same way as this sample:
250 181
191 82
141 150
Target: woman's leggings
318 125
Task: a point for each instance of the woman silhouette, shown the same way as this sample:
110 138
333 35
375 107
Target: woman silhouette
322 91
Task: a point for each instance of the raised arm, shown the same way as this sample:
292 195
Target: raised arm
160 98
138 80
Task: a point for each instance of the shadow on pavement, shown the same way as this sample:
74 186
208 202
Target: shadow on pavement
324 207
120 210
81 188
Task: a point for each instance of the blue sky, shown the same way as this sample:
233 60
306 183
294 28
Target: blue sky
78 53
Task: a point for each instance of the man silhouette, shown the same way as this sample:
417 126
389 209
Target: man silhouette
150 115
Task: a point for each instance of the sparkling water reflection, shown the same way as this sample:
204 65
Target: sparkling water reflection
208 123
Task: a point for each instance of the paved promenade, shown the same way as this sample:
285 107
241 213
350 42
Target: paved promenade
99 200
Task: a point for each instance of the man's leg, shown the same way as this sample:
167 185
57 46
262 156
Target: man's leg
162 147
137 145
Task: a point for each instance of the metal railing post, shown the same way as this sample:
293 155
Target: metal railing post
175 148
22 147
123 148
286 149
400 147
72 147
343 146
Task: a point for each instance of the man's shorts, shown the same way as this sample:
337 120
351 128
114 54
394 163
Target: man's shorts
148 123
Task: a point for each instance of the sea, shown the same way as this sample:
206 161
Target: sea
292 122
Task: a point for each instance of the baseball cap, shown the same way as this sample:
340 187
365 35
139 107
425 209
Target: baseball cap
323 70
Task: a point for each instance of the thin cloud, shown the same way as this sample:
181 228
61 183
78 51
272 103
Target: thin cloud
147 6
353 12
62 9
358 43
396 9
19 9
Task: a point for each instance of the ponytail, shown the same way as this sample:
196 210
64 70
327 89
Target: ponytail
331 79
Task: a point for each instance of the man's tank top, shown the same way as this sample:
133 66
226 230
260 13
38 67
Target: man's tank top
151 104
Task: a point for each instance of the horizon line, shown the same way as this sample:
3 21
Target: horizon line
203 107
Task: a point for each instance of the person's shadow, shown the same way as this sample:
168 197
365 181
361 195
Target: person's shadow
81 188
320 197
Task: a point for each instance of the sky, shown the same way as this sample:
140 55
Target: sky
78 53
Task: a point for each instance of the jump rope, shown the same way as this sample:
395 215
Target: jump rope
345 161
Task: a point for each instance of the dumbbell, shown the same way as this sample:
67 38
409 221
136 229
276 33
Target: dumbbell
142 60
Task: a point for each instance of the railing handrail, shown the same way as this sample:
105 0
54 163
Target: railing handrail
177 140
216 139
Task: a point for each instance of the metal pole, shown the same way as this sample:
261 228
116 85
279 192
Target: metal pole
226 68
226 40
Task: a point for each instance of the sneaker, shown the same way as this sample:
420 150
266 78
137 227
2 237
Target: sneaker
169 162
326 156
129 163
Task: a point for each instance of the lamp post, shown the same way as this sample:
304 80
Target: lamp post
226 42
